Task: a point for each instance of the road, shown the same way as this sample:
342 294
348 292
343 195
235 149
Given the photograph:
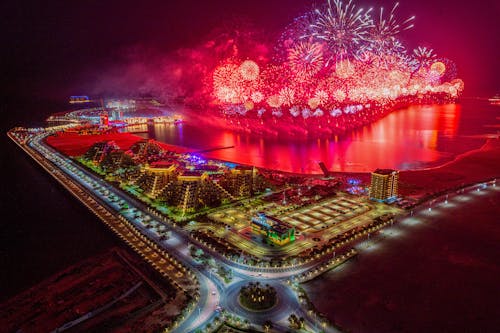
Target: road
100 196
166 246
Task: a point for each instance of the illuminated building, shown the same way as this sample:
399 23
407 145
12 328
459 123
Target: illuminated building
155 177
190 183
117 161
116 115
185 182
100 150
104 119
242 181
145 150
275 230
384 184
191 190
207 186
79 99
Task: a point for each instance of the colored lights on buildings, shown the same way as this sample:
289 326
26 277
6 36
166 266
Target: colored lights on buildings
384 184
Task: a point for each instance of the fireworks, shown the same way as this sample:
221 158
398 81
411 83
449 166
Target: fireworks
257 96
306 58
335 67
342 27
287 96
384 31
344 69
249 70
321 96
423 56
438 67
274 101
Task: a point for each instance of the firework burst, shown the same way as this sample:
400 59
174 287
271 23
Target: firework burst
306 58
385 29
249 70
423 56
342 27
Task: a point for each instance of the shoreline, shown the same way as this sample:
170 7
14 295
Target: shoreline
470 167
448 174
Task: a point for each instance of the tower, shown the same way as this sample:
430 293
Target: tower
384 184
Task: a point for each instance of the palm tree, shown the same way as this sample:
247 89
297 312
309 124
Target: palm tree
302 322
293 320
267 326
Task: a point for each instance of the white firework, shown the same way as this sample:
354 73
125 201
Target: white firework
306 58
424 55
342 27
385 29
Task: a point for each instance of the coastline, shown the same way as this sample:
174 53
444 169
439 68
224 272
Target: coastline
470 167
414 182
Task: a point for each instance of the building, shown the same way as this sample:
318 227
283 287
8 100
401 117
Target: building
155 177
79 99
118 162
276 231
243 181
145 151
104 119
192 190
384 185
98 151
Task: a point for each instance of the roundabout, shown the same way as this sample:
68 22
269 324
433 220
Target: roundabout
284 304
257 297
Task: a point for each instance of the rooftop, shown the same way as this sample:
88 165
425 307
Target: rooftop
194 173
384 172
162 164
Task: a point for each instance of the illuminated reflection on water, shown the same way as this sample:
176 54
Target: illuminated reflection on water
416 137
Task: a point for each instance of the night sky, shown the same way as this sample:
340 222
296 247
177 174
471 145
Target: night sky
57 48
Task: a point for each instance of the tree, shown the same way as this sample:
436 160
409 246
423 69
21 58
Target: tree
292 319
267 326
302 322
192 250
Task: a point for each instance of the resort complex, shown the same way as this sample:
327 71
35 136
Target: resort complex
321 177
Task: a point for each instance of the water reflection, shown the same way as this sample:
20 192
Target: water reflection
416 137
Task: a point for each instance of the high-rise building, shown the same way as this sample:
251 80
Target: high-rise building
384 184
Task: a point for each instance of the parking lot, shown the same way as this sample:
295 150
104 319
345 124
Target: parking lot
315 218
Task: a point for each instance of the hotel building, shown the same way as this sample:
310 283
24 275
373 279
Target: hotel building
384 184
